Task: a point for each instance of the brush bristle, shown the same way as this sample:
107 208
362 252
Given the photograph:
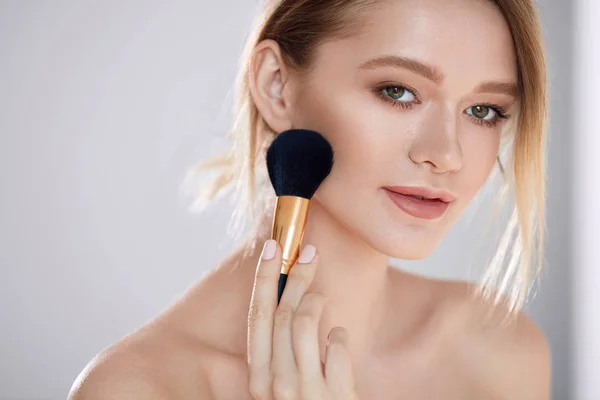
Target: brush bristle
298 161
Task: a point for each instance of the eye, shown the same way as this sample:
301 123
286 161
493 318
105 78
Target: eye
489 115
399 93
397 96
482 112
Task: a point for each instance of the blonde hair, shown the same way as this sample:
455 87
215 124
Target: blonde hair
299 26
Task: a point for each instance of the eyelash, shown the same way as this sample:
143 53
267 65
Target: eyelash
500 112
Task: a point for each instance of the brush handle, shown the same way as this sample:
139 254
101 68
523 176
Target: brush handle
282 281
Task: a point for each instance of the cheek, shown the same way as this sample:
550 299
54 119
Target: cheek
352 126
359 136
356 172
480 149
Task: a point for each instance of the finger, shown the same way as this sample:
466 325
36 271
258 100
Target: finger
283 363
305 339
260 319
338 365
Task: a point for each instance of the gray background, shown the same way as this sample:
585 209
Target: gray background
104 105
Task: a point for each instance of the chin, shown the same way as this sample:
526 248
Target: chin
385 229
397 234
405 242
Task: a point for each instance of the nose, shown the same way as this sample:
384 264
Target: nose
437 143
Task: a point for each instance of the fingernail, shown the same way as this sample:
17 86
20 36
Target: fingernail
307 254
269 250
341 333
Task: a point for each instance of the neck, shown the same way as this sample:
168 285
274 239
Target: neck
354 276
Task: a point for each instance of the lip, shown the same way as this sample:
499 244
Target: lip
433 207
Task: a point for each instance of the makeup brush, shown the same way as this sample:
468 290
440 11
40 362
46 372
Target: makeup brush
298 161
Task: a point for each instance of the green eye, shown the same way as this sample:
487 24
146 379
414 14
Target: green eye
487 114
397 93
482 112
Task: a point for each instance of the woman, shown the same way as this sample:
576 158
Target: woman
416 97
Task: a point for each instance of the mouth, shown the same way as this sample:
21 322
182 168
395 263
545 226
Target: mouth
420 202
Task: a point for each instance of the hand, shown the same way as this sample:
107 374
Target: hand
283 346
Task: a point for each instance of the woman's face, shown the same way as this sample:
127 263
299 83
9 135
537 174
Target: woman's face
402 104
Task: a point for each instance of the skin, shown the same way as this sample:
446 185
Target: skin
406 337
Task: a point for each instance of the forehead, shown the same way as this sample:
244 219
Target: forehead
467 40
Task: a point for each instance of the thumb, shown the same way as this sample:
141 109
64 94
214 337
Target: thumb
338 364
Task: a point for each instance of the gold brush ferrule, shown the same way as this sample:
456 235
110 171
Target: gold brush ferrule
289 221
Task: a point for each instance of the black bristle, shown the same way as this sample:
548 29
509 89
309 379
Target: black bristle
298 161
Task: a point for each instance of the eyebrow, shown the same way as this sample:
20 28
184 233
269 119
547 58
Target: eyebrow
435 75
428 71
507 88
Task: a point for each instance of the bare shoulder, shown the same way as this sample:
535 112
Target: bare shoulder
148 365
124 370
167 358
508 353
181 354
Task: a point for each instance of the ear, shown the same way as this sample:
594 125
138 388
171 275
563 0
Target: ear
270 87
